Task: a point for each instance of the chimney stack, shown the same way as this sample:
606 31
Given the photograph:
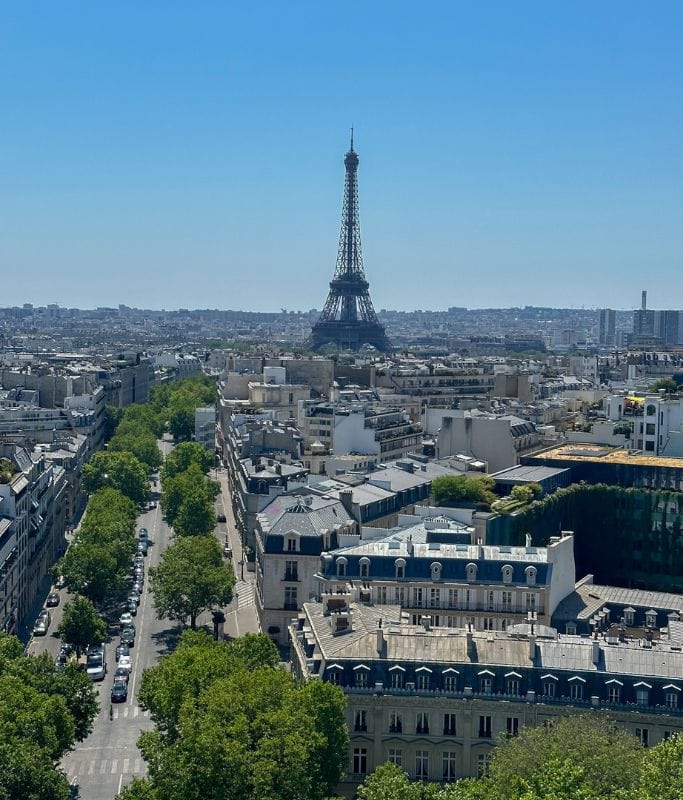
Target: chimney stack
381 644
411 546
595 645
532 647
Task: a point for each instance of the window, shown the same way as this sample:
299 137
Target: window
360 721
364 564
570 629
486 684
291 570
291 545
614 693
530 573
470 598
417 597
436 571
651 619
642 696
506 599
530 601
650 446
629 616
488 624
490 601
421 765
671 699
341 567
400 596
449 763
361 678
397 679
450 682
667 735
395 756
482 764
434 598
549 688
400 566
422 723
449 725
452 598
484 727
649 428
423 680
395 723
381 594
507 574
360 760
512 726
512 685
334 677
471 572
576 690
651 411
290 598
643 735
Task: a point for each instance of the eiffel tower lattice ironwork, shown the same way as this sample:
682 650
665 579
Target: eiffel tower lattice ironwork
348 320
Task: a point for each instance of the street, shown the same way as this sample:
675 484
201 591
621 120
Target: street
109 758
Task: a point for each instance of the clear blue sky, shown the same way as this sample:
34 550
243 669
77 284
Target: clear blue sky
167 154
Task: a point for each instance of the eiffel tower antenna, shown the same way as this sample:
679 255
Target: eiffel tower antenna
348 320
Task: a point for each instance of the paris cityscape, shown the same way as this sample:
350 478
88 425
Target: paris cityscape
312 541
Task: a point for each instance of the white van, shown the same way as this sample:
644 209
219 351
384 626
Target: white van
96 663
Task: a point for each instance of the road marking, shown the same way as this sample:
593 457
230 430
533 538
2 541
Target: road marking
136 711
103 767
126 764
114 765
91 768
118 791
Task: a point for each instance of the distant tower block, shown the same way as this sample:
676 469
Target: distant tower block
348 320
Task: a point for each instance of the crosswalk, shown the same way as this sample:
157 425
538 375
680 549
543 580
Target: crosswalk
245 594
82 767
125 712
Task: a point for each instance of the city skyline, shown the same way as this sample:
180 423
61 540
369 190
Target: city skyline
508 157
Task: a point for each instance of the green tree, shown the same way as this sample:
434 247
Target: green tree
196 516
191 577
89 569
138 441
138 789
112 417
389 782
121 471
81 625
142 415
662 771
28 773
449 489
183 456
185 484
609 758
181 418
668 384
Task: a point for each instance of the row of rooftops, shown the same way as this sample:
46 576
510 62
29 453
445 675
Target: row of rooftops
382 637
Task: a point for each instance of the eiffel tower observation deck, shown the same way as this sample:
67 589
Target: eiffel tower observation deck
348 320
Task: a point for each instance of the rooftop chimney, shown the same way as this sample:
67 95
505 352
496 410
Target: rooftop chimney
410 545
381 644
532 647
596 652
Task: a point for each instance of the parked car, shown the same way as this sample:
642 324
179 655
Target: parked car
134 597
125 619
96 663
61 661
143 535
221 518
126 662
60 583
128 635
52 600
137 586
42 623
119 691
143 547
132 607
122 650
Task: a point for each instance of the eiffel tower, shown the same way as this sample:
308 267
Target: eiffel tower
348 320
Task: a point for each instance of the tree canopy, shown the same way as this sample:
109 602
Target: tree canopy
183 456
81 625
260 734
119 470
192 577
449 489
668 384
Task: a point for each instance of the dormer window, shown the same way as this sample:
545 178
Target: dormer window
341 567
629 616
530 573
507 574
436 571
364 564
471 572
400 567
651 618
291 544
